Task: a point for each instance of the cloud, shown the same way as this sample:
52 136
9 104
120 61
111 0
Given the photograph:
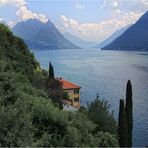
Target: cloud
68 22
97 31
64 18
112 3
126 5
64 21
12 2
73 23
145 2
80 6
115 3
11 24
23 12
1 19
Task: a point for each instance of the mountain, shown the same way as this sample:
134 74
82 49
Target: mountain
134 38
111 38
78 41
40 35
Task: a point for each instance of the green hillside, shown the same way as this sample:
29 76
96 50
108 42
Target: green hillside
27 115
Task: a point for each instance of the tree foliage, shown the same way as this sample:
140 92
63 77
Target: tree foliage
99 113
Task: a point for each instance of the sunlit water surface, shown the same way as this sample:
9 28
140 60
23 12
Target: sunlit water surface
106 73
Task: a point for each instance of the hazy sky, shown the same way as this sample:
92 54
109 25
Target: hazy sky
92 20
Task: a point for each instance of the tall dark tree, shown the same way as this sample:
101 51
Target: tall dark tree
129 113
121 124
125 120
51 71
54 88
50 77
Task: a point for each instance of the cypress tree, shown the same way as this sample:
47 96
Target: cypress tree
121 124
125 119
51 71
54 88
50 76
129 113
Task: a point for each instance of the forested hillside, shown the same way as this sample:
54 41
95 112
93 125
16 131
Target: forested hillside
29 118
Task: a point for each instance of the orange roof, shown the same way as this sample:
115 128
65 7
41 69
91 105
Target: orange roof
68 85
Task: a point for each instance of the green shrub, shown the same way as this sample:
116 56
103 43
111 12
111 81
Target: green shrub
99 113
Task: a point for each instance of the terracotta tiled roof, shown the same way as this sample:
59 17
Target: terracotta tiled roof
68 85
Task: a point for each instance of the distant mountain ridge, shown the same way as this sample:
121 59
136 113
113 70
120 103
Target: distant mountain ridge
134 38
112 37
78 41
40 35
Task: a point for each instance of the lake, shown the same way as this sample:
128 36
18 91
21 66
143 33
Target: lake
106 73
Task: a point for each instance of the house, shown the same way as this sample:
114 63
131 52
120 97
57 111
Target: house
73 91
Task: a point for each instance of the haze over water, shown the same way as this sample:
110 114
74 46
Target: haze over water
106 73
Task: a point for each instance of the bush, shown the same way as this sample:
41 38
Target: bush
98 112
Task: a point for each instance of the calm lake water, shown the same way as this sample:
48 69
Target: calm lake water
106 73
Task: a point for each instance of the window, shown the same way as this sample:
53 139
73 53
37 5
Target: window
76 99
76 91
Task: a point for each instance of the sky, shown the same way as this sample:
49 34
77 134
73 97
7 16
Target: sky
91 20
